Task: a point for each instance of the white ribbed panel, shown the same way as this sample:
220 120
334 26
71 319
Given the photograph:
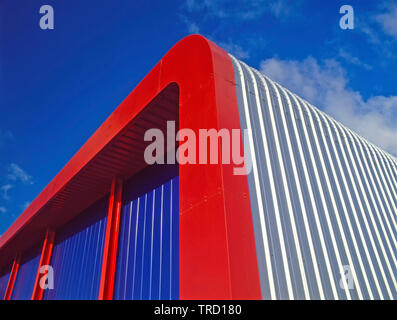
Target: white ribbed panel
322 198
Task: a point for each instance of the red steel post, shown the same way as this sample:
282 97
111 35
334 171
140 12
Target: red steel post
13 276
44 260
111 241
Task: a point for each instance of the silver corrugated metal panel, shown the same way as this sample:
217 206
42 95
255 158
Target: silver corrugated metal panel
324 200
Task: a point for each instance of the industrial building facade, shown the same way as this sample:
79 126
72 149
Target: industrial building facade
315 217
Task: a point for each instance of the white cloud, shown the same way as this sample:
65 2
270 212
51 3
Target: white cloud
234 49
16 173
3 210
219 8
4 191
353 59
192 27
325 85
244 9
282 9
388 20
380 28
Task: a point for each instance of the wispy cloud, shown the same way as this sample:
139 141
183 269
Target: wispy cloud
234 49
388 20
215 18
16 173
379 26
25 205
228 45
13 178
325 85
226 9
244 9
353 59
282 9
4 191
192 27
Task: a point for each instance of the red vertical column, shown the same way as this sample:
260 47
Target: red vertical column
13 276
44 260
111 241
217 243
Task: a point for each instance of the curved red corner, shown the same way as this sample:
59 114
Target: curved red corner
217 247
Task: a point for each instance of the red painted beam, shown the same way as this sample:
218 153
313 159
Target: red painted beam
44 260
111 241
13 276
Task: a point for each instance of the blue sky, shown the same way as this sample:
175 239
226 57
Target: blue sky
57 86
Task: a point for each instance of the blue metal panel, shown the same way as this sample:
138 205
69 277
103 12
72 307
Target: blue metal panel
77 255
4 281
148 254
26 275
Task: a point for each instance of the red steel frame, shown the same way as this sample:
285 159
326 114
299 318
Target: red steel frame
13 276
217 248
111 240
44 260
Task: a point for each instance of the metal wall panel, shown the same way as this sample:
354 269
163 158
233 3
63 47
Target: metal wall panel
4 282
26 275
77 255
324 200
148 258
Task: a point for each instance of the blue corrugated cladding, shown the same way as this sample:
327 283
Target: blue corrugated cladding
4 281
26 275
324 200
77 255
148 254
